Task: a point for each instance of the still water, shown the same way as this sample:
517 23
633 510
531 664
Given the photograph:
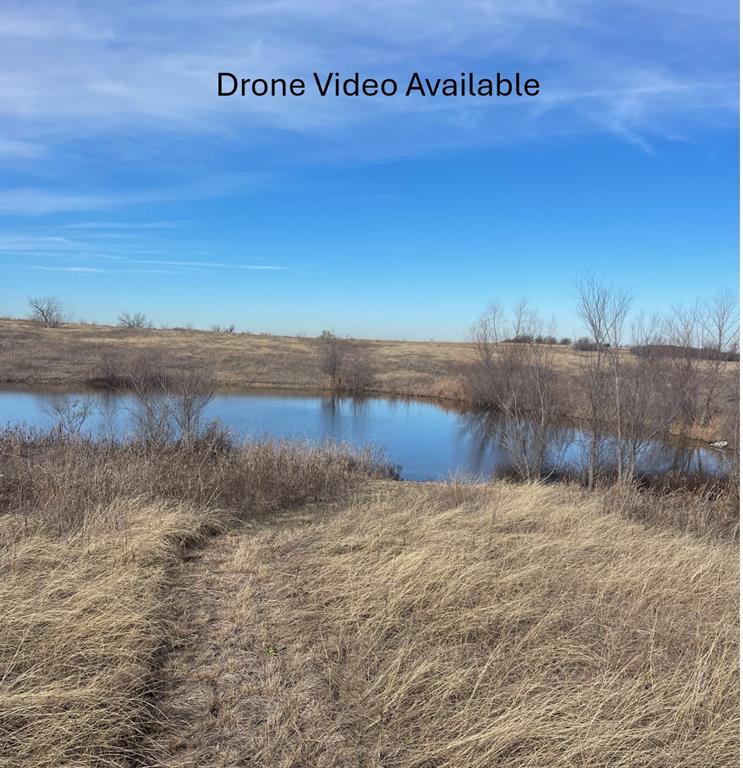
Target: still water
426 440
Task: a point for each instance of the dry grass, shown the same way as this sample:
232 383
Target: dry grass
91 541
473 627
379 624
75 354
84 618
61 479
711 511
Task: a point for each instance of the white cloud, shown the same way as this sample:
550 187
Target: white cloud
126 225
85 69
132 87
69 269
40 201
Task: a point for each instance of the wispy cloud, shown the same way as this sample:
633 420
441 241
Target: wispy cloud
165 79
40 201
68 269
98 270
127 256
218 264
126 225
16 149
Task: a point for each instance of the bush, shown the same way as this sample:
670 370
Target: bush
345 364
584 344
136 321
356 375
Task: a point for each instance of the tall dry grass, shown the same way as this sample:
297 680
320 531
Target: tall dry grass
85 616
62 478
409 625
510 626
92 537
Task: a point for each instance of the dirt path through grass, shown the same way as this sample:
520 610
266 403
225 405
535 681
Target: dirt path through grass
224 699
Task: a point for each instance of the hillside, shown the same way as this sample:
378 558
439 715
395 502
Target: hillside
282 607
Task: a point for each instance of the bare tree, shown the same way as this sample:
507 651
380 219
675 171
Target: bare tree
684 341
720 327
191 391
137 320
69 413
603 310
646 410
520 381
702 342
356 374
169 401
332 355
147 379
46 311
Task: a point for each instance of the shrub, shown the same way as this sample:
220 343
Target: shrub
136 321
584 344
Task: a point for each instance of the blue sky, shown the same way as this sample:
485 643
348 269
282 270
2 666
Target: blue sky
127 184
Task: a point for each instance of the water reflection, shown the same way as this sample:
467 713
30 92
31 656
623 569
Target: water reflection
427 440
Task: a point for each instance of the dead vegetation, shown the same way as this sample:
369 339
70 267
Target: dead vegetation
623 399
85 615
92 536
340 619
510 625
383 624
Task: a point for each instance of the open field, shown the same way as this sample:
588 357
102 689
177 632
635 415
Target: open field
73 354
278 606
78 355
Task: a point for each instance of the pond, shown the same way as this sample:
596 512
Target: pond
427 440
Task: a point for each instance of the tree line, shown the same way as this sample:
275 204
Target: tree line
639 377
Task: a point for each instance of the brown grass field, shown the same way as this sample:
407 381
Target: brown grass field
76 355
272 605
72 356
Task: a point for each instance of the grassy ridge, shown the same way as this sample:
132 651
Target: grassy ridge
74 354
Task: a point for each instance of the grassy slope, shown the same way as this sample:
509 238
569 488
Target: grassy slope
458 627
92 540
72 354
512 626
411 625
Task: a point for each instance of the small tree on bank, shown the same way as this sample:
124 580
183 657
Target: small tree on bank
345 363
518 379
332 356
